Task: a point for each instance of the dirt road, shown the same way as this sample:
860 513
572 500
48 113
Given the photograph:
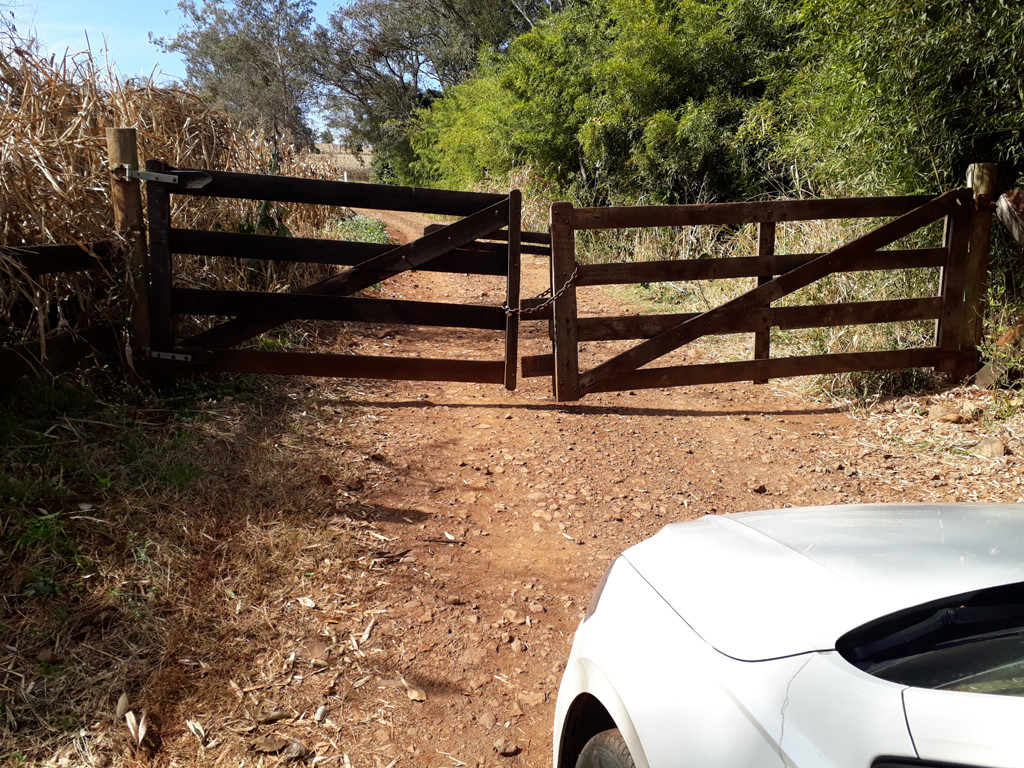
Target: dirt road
495 514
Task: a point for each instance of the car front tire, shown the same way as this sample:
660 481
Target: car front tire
605 750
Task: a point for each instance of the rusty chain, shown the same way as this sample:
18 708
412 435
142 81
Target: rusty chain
541 307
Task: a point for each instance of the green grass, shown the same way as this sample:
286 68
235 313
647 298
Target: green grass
67 448
361 229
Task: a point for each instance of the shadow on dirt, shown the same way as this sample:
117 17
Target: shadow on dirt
599 410
379 514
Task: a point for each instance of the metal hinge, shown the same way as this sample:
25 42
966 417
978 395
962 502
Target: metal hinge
175 356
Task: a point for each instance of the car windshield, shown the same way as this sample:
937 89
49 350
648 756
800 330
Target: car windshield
971 642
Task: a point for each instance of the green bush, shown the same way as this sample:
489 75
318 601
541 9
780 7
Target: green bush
615 100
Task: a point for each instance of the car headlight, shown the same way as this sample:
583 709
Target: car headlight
598 590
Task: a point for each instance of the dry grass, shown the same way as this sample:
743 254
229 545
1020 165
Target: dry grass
54 185
172 550
340 160
161 547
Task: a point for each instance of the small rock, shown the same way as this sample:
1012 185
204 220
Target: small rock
488 720
991 447
295 751
478 682
518 646
945 415
316 650
756 487
270 744
381 735
531 699
506 748
970 412
47 656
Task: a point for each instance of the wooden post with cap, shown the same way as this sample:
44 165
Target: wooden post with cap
126 199
981 177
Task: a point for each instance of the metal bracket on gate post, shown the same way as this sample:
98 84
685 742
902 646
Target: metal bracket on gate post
191 179
135 173
173 356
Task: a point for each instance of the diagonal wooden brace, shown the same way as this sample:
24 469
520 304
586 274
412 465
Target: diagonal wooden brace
373 270
765 294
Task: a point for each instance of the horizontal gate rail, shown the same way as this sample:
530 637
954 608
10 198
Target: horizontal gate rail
747 266
783 318
289 189
484 241
748 370
343 366
39 260
778 275
286 306
644 216
476 258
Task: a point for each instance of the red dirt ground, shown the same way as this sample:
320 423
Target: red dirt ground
497 512
426 616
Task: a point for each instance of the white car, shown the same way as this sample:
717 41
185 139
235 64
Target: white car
867 636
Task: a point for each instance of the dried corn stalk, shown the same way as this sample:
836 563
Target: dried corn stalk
54 186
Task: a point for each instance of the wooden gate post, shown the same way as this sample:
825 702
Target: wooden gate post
981 177
949 326
565 335
515 227
126 199
765 248
158 204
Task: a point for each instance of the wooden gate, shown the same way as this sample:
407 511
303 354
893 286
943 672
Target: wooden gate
955 309
486 241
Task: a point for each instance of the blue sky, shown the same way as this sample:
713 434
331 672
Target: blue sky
120 26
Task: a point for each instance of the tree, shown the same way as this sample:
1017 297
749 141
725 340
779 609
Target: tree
254 58
381 60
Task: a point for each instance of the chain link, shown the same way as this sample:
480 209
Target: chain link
541 307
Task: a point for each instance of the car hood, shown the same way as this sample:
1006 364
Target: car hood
764 585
